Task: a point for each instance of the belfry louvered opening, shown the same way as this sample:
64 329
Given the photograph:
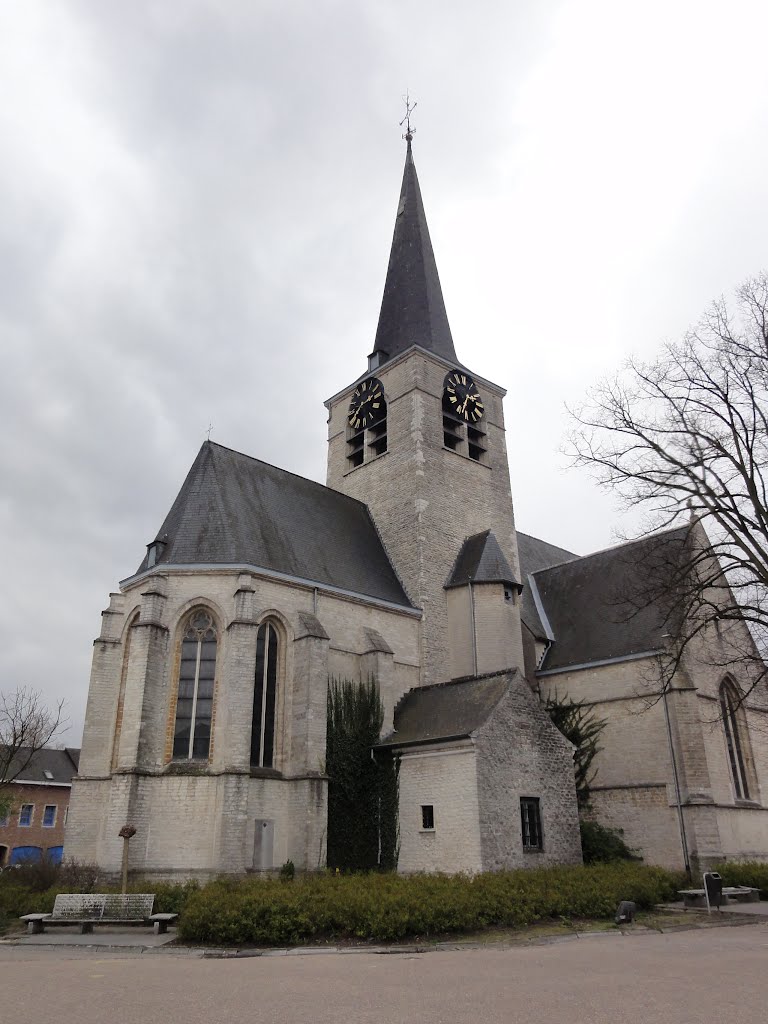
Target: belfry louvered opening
366 423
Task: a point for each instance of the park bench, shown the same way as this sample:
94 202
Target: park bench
89 909
696 898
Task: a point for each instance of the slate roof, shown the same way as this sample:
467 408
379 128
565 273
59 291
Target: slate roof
61 764
599 606
444 711
535 554
481 560
412 309
233 510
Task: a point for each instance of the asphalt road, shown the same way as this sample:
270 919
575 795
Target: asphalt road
692 977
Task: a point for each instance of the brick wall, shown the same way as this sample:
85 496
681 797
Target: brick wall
44 838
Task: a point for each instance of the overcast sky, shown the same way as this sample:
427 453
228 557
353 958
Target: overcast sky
198 199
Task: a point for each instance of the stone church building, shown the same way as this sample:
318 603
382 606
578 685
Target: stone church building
206 718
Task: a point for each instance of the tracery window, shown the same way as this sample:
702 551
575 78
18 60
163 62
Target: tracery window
194 705
265 696
730 708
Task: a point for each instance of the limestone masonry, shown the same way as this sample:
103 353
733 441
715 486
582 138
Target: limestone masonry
206 719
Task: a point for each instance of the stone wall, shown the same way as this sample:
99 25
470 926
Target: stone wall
444 778
520 753
635 789
198 818
425 498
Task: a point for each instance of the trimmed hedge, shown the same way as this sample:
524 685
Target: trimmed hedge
387 907
748 872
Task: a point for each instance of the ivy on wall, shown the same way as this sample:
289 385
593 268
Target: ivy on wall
582 727
363 785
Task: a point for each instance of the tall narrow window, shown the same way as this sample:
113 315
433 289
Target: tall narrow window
530 821
730 710
194 706
264 697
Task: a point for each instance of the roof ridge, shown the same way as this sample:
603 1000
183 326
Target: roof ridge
288 472
464 679
612 547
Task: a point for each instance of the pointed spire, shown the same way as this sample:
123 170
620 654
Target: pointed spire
412 310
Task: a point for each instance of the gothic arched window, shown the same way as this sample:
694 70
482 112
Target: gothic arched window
265 696
194 704
121 691
732 713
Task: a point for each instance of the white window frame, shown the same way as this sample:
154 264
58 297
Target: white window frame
27 824
55 815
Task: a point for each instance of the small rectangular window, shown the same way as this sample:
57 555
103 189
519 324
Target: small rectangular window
25 815
66 814
530 820
3 823
49 816
427 816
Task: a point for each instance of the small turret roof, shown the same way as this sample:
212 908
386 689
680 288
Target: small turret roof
481 560
412 309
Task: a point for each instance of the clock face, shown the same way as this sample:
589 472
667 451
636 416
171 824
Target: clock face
367 405
463 396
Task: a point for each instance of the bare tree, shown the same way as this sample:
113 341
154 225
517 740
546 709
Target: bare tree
685 439
27 725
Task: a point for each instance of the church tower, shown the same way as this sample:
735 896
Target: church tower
420 439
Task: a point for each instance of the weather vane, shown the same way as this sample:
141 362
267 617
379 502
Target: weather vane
409 109
208 431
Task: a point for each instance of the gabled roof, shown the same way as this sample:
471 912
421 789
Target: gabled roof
235 510
412 309
445 711
535 554
481 560
60 765
601 606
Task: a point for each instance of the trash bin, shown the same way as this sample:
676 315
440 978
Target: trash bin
713 885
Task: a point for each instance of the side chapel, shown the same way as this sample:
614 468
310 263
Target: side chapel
206 717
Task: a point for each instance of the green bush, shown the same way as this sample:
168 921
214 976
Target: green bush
387 907
602 845
748 872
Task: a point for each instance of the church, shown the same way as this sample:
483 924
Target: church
206 719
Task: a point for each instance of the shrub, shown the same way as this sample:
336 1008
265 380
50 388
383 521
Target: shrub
748 872
287 871
387 907
602 845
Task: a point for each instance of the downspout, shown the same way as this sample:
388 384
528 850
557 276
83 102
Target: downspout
681 819
474 627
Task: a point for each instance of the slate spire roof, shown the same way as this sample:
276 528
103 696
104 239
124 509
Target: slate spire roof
481 560
236 510
412 309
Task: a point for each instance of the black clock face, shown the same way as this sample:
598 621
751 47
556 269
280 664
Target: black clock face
463 396
367 405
